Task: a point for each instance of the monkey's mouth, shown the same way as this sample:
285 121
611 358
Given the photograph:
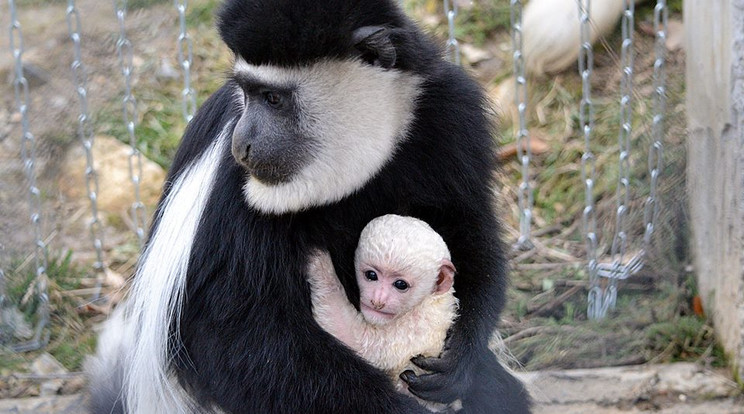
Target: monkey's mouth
268 174
374 315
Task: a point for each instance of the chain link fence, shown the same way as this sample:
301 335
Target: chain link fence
602 276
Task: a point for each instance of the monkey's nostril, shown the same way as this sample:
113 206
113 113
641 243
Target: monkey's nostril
246 154
377 305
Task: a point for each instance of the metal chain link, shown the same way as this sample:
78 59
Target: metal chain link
616 270
2 295
586 122
185 58
86 133
655 154
125 53
453 47
524 150
28 153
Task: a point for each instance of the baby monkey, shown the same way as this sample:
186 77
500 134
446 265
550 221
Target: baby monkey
405 277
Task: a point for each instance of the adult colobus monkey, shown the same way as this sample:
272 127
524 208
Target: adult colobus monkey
337 111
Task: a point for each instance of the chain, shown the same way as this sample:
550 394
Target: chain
586 121
185 58
620 239
28 153
524 150
2 295
129 105
655 154
453 47
85 131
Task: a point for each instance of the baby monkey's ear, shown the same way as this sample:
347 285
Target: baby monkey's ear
446 277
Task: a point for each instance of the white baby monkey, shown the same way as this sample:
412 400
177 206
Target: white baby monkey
405 277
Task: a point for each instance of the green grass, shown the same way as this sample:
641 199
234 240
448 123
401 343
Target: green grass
644 327
161 123
69 328
132 4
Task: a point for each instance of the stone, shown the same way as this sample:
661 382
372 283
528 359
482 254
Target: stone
115 189
625 386
46 365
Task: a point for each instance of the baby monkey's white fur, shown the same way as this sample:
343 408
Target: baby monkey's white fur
411 248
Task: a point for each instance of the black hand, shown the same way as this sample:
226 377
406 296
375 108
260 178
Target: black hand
449 377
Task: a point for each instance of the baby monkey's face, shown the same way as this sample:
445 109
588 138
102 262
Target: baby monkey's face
385 292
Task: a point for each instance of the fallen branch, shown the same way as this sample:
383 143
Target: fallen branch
549 307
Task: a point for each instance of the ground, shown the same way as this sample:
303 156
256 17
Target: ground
544 326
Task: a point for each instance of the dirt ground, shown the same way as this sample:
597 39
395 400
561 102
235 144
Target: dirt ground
682 388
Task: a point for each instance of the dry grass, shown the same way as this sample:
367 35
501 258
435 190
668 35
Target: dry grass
545 324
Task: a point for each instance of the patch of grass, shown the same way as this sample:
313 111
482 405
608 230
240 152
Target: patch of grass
480 22
685 338
161 122
474 24
131 4
69 328
202 12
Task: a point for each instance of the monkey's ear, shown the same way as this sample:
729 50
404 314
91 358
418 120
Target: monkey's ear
446 277
373 42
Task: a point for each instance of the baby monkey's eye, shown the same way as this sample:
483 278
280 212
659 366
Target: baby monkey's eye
401 284
370 275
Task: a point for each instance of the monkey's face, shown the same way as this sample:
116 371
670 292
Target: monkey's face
312 134
386 293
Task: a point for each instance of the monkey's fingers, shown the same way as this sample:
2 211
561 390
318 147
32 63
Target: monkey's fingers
432 387
431 364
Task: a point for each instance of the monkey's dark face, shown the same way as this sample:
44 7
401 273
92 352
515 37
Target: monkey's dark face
311 135
267 140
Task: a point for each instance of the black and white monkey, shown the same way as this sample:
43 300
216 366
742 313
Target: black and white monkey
407 304
337 112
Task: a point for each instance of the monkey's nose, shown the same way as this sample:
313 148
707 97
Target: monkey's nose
241 153
246 154
377 305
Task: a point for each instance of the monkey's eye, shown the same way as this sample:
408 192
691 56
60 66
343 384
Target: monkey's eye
274 99
370 275
401 284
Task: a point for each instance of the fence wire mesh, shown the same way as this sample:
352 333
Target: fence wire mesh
86 134
125 52
28 154
602 277
524 149
185 59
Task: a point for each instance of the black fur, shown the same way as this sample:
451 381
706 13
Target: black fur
249 341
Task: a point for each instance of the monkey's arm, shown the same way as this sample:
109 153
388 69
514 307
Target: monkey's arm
331 308
461 209
467 368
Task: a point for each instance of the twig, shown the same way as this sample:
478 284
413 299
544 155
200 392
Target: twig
550 306
44 377
556 228
546 266
526 333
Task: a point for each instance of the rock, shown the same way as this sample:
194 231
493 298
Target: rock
166 70
473 54
73 404
20 329
675 35
617 386
115 189
73 385
46 365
